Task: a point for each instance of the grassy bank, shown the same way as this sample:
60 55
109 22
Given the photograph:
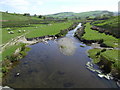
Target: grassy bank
11 55
108 60
90 34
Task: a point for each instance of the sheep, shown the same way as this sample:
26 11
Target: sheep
19 31
24 30
8 29
8 32
11 32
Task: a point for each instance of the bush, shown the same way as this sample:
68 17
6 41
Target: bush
26 14
13 58
23 53
4 69
23 46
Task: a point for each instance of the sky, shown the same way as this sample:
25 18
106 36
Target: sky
44 7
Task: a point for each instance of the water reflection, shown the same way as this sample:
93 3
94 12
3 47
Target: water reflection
67 46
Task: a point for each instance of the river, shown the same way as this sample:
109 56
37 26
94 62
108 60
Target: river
60 63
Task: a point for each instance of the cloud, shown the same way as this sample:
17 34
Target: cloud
55 6
22 5
15 2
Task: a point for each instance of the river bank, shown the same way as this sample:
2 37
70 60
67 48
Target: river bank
105 55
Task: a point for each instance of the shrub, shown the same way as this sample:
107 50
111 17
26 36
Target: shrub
4 69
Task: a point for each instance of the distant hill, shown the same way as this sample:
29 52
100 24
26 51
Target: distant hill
79 15
15 17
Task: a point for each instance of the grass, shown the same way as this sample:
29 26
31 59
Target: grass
9 57
112 22
16 20
32 31
110 25
92 53
7 37
16 17
90 34
10 50
52 29
110 55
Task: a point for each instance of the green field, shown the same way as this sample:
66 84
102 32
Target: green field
10 50
90 34
16 17
52 29
18 20
36 30
110 25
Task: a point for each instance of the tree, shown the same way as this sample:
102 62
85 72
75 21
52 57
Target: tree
40 16
6 11
66 18
26 14
44 17
35 15
79 18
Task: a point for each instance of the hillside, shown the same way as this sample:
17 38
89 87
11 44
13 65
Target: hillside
13 19
81 15
14 16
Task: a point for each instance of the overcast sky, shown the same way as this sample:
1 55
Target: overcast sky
42 7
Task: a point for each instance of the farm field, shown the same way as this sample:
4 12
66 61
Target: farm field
36 30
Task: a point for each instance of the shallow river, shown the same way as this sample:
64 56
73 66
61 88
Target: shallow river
60 63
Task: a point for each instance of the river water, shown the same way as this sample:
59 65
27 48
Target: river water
60 63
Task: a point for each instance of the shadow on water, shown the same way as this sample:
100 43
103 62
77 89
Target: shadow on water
57 64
